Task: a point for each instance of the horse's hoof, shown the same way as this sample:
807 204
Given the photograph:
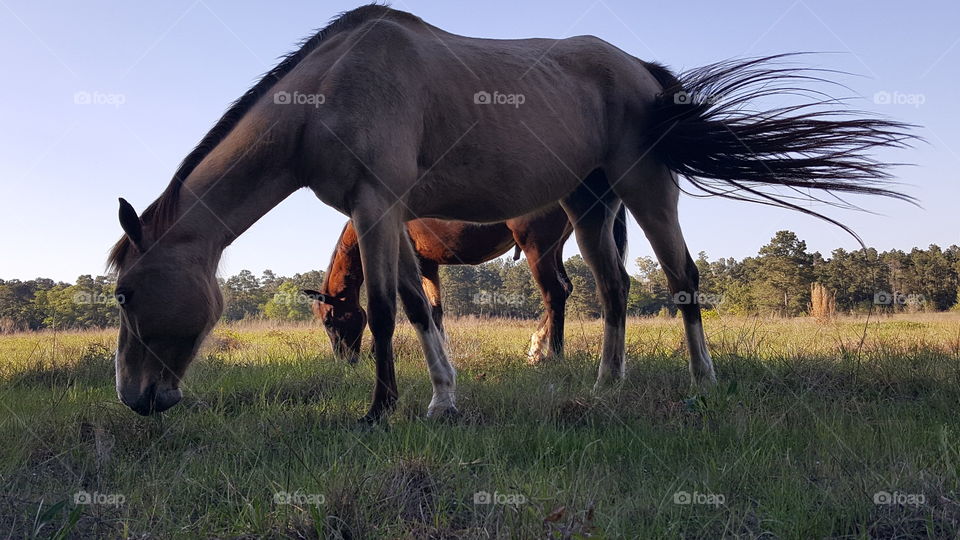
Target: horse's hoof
450 414
607 383
370 423
706 381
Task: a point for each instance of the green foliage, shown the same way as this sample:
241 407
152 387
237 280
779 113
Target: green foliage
782 275
584 300
288 304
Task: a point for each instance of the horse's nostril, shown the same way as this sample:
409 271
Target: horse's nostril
141 407
151 401
166 399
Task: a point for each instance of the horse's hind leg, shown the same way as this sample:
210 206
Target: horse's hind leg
593 222
430 270
651 193
543 248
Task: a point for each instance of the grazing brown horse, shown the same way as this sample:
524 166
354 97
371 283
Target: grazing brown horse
388 119
540 236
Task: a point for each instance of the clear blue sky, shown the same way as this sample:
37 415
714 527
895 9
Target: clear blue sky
163 72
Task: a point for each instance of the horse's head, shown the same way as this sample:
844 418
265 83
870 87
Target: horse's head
344 322
169 300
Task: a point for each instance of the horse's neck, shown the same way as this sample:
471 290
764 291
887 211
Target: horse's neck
345 274
228 192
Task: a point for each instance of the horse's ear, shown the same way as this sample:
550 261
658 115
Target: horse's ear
132 226
317 295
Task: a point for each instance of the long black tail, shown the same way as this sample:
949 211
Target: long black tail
702 127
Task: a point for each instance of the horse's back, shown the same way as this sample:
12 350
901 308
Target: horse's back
510 122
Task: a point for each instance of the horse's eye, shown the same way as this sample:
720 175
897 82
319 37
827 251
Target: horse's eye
123 296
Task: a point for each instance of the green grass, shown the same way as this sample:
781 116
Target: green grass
803 430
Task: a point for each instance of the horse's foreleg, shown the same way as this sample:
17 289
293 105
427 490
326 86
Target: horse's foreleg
379 250
418 310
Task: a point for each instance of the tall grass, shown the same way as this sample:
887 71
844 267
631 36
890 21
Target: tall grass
811 432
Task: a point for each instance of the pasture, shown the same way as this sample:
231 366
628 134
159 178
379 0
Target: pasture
807 435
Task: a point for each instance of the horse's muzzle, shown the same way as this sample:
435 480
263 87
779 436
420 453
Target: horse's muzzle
151 401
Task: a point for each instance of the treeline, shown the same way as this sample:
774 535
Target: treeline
777 281
90 302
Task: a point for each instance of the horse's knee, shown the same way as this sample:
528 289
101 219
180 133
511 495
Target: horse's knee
381 315
416 309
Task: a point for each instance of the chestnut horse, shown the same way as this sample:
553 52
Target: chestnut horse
389 119
540 236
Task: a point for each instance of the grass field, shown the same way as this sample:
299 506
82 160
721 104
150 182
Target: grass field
807 435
